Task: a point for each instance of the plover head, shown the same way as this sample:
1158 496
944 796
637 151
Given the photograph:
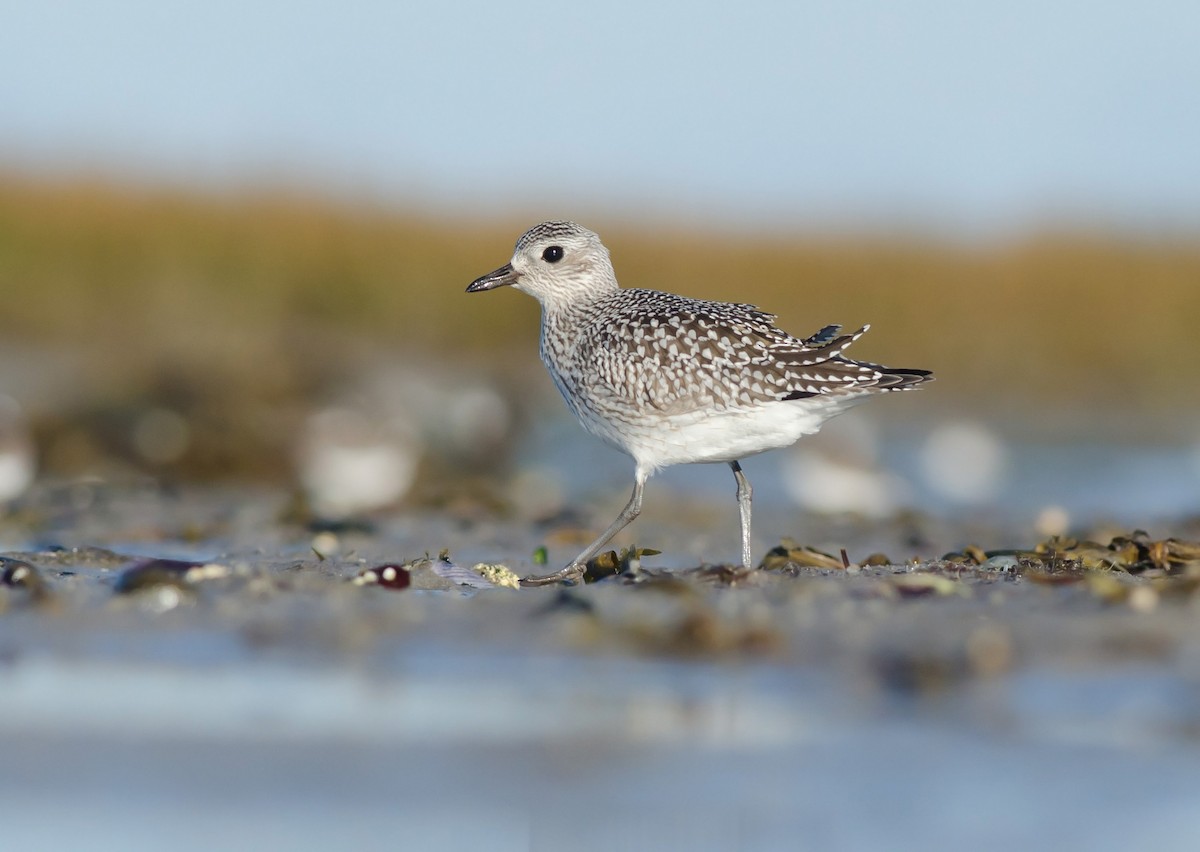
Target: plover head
558 263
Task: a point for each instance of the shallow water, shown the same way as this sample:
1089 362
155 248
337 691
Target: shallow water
485 753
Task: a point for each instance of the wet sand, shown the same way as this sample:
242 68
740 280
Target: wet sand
272 701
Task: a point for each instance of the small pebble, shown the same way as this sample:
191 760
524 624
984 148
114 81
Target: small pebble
387 576
1002 563
18 573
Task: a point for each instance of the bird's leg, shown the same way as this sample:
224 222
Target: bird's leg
574 571
744 492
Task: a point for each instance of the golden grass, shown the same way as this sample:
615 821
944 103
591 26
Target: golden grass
271 286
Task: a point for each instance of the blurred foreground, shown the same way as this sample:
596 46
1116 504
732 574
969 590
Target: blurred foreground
256 694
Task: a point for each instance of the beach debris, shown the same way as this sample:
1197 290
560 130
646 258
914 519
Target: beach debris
498 575
388 576
1061 559
161 585
425 572
1069 554
789 555
613 563
724 575
435 573
1001 563
172 573
927 583
19 574
459 575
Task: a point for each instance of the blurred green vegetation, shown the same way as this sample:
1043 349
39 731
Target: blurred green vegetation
213 302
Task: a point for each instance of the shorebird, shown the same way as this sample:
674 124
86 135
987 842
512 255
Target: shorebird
672 380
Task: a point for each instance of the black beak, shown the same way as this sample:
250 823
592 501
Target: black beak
503 277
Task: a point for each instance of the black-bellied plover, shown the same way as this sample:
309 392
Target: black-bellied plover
671 380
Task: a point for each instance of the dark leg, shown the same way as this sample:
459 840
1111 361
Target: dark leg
574 571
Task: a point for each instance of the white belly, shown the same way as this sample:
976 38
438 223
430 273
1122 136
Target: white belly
716 436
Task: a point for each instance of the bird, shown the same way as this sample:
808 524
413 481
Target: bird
671 380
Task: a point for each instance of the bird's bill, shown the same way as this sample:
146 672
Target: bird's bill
505 276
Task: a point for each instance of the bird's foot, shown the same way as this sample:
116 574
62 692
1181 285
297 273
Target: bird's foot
573 573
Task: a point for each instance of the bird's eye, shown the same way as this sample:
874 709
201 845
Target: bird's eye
553 254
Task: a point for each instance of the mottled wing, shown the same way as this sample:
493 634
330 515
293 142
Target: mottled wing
680 355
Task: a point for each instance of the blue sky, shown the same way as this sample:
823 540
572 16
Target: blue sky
976 114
